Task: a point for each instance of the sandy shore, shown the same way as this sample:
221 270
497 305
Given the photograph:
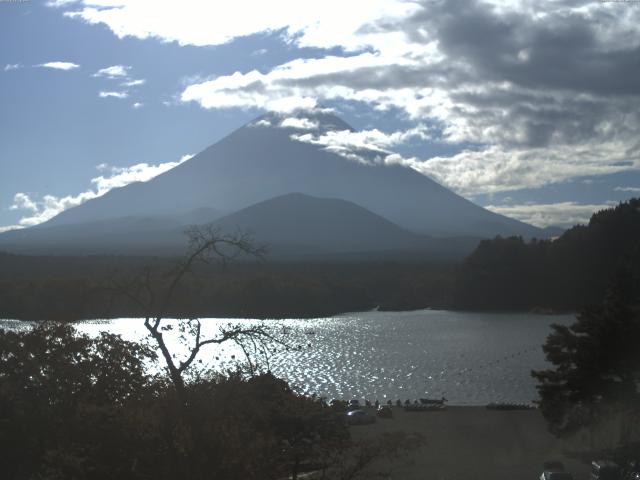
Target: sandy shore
473 443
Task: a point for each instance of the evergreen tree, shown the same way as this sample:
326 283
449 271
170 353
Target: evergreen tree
596 362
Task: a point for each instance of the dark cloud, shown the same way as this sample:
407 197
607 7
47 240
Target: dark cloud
382 78
537 76
531 78
567 50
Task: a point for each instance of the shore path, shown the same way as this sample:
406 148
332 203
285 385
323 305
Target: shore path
473 443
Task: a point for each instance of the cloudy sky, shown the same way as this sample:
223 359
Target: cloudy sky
530 108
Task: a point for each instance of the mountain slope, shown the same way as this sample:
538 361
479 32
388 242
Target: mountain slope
293 226
261 161
160 234
303 222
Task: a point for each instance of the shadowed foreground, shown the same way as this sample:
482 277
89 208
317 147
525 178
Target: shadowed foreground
473 443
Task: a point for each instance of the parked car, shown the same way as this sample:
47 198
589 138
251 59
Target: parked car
605 470
384 411
359 417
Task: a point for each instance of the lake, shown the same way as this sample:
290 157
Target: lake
470 358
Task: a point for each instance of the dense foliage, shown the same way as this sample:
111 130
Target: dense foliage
596 363
561 274
68 404
73 407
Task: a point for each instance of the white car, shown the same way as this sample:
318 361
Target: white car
359 417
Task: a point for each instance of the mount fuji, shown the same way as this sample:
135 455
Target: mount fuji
261 161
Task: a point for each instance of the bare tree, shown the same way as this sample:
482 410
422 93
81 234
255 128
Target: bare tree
154 298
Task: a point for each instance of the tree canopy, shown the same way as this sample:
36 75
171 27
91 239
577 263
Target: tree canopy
562 274
596 362
75 407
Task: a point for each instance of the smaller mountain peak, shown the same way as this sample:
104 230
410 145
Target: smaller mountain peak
295 196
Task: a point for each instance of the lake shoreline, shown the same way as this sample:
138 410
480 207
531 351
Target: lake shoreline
310 316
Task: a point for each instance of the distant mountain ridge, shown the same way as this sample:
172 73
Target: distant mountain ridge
260 161
292 226
159 234
258 168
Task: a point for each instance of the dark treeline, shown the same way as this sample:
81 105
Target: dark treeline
69 288
507 274
562 274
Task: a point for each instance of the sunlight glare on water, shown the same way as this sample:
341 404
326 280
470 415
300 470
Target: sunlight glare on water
469 358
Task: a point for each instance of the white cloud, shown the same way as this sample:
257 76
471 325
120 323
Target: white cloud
59 65
22 201
12 66
484 170
496 169
194 22
113 94
137 105
8 228
134 83
119 72
60 3
49 206
263 122
563 214
114 71
285 88
368 140
140 172
299 123
627 189
368 146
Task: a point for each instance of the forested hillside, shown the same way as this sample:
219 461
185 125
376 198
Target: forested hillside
71 288
561 274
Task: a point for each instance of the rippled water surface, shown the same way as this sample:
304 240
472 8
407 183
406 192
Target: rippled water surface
470 358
